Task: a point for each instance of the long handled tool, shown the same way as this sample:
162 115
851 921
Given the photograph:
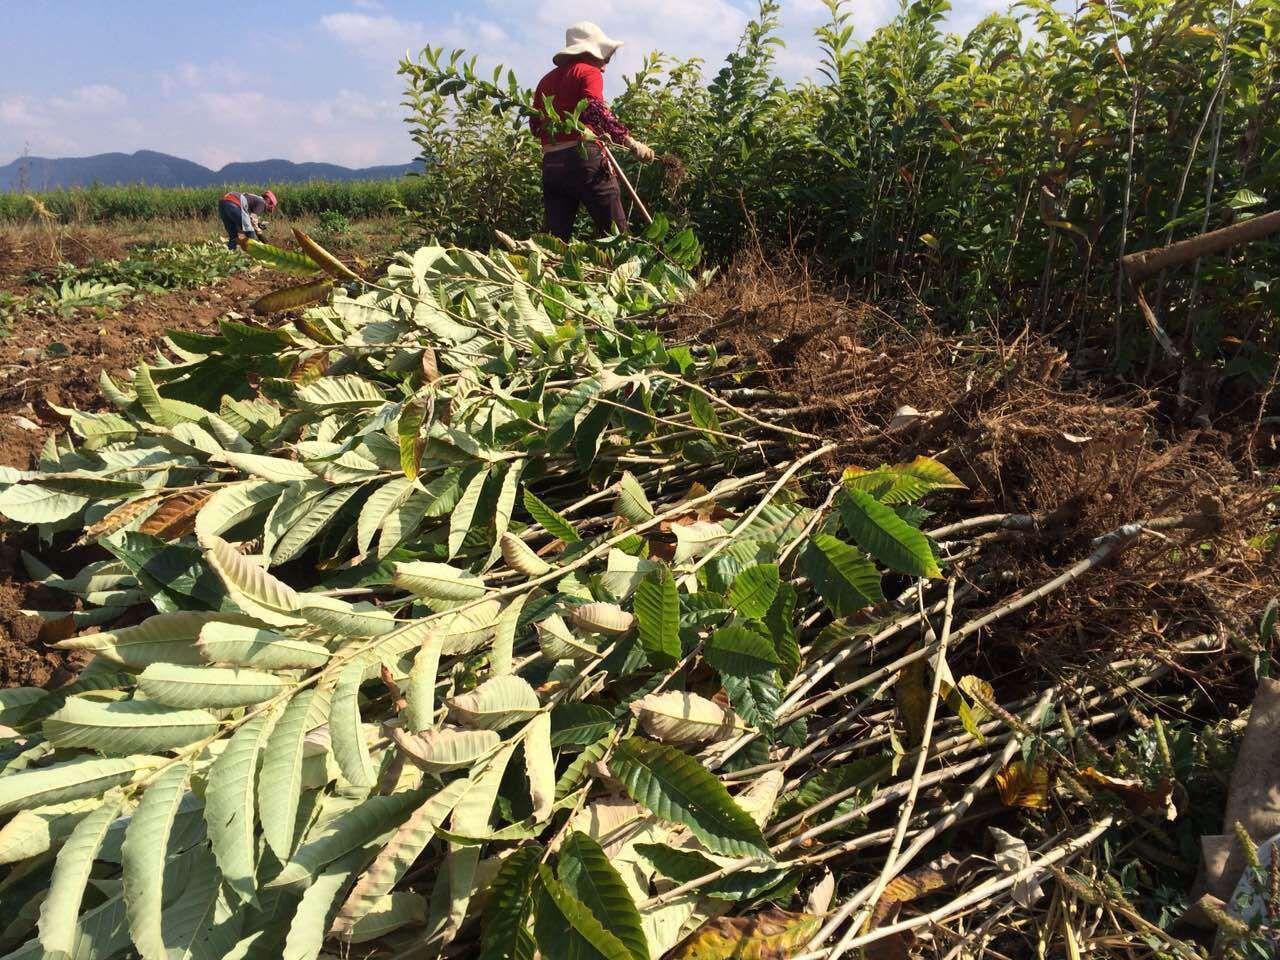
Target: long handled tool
617 168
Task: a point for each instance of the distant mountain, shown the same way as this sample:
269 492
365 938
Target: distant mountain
161 170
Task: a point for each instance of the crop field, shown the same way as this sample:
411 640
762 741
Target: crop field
874 556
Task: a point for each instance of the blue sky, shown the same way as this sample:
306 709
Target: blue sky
316 81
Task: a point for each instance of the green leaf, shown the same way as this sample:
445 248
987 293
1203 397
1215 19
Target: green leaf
579 724
310 921
503 508
703 412
561 419
506 934
781 624
564 927
587 874
740 651
632 503
845 579
229 804
399 853
495 704
657 610
886 536
551 521
540 766
683 866
345 730
249 646
32 503
286 261
126 726
437 581
146 846
463 514
256 592
348 392
69 780
420 695
409 435
178 686
753 590
165 412
676 787
70 877
350 830
280 782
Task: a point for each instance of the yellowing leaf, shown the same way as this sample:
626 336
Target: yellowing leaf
1021 785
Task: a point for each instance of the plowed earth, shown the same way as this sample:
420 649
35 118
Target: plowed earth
47 361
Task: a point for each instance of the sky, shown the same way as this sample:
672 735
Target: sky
305 80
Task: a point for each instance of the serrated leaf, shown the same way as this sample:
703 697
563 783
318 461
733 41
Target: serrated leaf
463 514
345 730
632 503
753 590
280 781
350 830
229 803
774 933
506 934
740 651
249 646
342 619
845 579
902 483
293 297
33 503
676 787
347 392
30 833
146 846
411 441
166 637
678 716
307 527
437 581
311 920
551 521
781 625
588 875
496 703
657 610
578 724
286 261
439 751
886 536
163 411
564 927
399 853
540 766
178 686
233 505
69 780
682 866
70 877
323 258
255 591
125 727
377 508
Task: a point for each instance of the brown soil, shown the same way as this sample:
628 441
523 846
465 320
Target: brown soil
1029 434
32 378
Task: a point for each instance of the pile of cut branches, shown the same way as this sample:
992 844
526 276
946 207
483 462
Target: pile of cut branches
475 624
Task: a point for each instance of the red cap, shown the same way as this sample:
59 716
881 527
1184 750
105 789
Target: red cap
271 200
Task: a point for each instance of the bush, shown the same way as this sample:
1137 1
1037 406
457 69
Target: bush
1002 176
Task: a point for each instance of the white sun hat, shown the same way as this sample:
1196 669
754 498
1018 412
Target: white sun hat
586 37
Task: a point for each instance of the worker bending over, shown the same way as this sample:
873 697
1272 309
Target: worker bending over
573 173
240 212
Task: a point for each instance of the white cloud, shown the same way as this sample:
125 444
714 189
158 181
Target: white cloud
95 98
20 111
379 38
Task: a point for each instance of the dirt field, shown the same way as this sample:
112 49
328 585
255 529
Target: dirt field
49 360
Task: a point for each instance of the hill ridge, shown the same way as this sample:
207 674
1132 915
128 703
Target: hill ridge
156 169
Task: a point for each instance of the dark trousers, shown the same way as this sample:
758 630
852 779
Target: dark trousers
233 221
570 180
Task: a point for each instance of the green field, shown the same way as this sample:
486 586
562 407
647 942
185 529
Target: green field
104 204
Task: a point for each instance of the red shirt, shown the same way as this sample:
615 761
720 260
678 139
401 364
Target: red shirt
569 85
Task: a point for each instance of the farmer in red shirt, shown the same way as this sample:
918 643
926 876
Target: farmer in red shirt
573 173
239 213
